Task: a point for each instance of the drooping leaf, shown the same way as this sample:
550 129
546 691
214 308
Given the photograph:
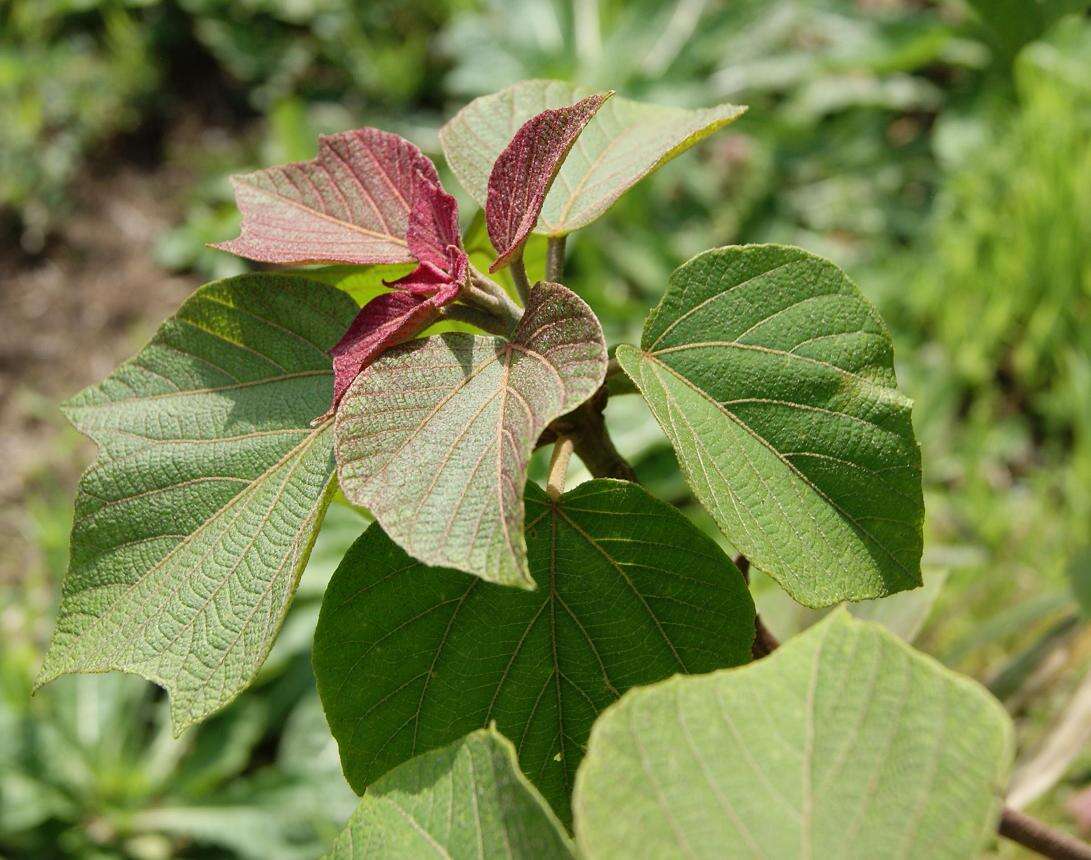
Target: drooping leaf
434 437
382 323
774 380
624 142
467 800
845 742
194 524
409 658
523 173
351 204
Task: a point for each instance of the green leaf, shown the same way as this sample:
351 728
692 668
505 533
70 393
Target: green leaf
434 437
624 142
409 658
774 380
194 524
466 800
845 742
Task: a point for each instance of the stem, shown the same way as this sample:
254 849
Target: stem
476 317
519 274
1014 825
498 306
558 467
1040 837
555 258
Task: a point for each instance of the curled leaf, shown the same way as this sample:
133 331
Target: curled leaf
385 321
394 318
351 204
523 173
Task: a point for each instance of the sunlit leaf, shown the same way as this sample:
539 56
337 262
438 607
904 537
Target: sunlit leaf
624 142
349 205
467 800
523 173
434 437
844 743
409 658
192 527
774 380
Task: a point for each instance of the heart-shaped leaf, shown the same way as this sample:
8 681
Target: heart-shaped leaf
409 658
468 800
351 204
434 437
525 170
843 743
622 144
774 380
195 522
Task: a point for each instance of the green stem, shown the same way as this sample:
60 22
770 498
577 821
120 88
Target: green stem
519 275
476 317
555 258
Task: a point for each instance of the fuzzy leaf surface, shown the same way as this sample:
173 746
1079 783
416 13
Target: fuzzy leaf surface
773 378
523 173
409 658
845 742
623 143
434 437
193 525
351 204
464 801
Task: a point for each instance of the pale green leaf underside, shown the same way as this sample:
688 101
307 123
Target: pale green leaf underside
624 142
773 378
193 525
465 801
844 743
434 437
409 658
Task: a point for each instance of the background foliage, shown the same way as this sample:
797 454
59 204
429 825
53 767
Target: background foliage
943 160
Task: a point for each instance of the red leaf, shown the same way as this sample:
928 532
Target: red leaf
349 205
524 171
382 323
433 222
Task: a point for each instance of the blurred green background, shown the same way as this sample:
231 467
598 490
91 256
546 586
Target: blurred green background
939 151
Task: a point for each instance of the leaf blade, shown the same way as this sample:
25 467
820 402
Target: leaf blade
524 171
409 658
863 747
351 204
202 436
434 437
774 380
468 799
625 142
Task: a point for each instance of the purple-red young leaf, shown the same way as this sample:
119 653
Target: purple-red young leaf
385 321
525 170
433 223
351 204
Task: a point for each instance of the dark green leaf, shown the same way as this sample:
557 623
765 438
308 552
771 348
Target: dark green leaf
409 658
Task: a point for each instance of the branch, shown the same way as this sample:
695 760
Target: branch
1014 825
1040 837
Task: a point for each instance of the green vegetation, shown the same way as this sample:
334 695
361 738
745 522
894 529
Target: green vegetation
943 163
